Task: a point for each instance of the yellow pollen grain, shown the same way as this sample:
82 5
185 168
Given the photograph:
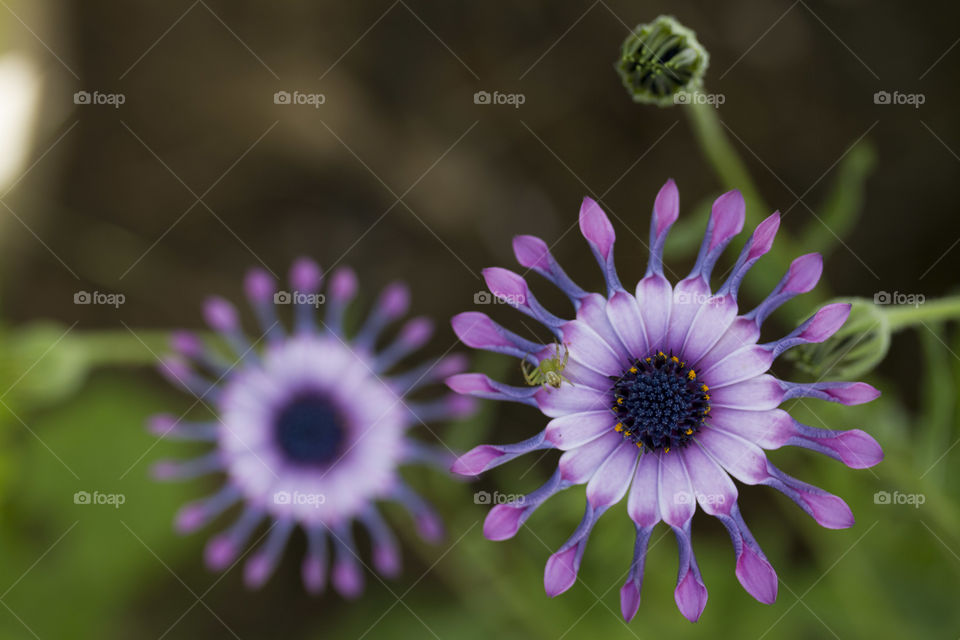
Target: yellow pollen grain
633 369
704 387
619 427
619 400
675 359
639 445
667 450
689 431
692 374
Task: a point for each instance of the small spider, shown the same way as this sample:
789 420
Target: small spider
549 372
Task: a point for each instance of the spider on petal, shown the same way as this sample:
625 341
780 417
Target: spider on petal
549 372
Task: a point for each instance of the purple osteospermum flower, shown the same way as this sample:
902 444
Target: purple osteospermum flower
667 397
311 431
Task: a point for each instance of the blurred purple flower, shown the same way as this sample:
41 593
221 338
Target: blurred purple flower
668 397
310 428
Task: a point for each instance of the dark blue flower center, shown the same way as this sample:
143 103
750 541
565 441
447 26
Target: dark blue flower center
309 430
659 403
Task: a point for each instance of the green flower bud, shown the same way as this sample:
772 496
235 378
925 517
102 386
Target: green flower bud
855 349
40 364
660 60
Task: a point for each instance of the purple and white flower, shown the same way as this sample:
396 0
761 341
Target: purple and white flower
310 428
668 397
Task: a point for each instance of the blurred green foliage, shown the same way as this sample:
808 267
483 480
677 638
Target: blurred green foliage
115 572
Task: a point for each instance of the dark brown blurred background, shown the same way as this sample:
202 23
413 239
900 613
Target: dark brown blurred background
398 79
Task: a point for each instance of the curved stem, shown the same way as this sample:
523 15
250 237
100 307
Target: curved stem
903 316
724 159
732 173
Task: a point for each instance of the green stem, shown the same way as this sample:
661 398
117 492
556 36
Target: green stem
724 159
111 348
903 316
732 173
